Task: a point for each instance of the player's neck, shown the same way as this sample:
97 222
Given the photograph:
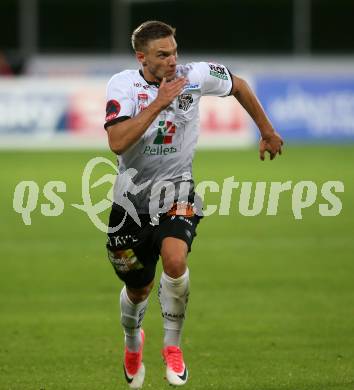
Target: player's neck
150 80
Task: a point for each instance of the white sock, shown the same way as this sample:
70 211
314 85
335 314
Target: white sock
173 296
131 318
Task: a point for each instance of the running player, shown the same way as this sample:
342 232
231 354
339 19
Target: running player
152 124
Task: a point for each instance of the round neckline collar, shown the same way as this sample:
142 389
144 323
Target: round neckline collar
155 83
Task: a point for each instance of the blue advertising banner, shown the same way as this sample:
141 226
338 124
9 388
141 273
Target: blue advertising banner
304 108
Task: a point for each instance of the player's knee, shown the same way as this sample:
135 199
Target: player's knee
137 295
174 264
174 257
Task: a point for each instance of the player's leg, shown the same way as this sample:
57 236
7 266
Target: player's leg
133 304
134 261
173 295
174 288
176 233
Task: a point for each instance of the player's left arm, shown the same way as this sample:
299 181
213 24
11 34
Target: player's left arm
270 139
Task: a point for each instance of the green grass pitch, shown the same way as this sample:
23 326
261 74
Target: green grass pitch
272 298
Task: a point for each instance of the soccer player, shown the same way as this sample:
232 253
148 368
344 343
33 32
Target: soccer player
152 125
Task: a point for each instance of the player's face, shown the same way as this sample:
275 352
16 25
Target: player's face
160 59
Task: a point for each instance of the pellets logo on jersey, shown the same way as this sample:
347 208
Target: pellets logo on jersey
165 133
218 71
142 101
184 101
112 110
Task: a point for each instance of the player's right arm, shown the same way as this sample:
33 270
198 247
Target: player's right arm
123 134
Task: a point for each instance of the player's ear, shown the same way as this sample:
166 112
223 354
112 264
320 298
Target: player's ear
140 56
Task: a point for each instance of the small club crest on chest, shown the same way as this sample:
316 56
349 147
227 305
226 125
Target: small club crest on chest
184 101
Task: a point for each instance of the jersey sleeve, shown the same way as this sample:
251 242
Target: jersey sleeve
216 80
120 104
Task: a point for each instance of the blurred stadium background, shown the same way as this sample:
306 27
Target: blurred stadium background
272 304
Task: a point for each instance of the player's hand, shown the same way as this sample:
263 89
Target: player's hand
271 144
168 91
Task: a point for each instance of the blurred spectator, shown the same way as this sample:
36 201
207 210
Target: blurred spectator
5 68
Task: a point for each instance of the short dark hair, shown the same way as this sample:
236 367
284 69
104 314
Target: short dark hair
149 31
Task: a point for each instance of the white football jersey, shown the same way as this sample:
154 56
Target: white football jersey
165 151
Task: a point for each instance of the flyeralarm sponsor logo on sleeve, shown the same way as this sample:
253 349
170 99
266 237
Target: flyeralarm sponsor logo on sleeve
218 71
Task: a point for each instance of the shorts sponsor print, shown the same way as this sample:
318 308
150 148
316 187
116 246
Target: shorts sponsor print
134 251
